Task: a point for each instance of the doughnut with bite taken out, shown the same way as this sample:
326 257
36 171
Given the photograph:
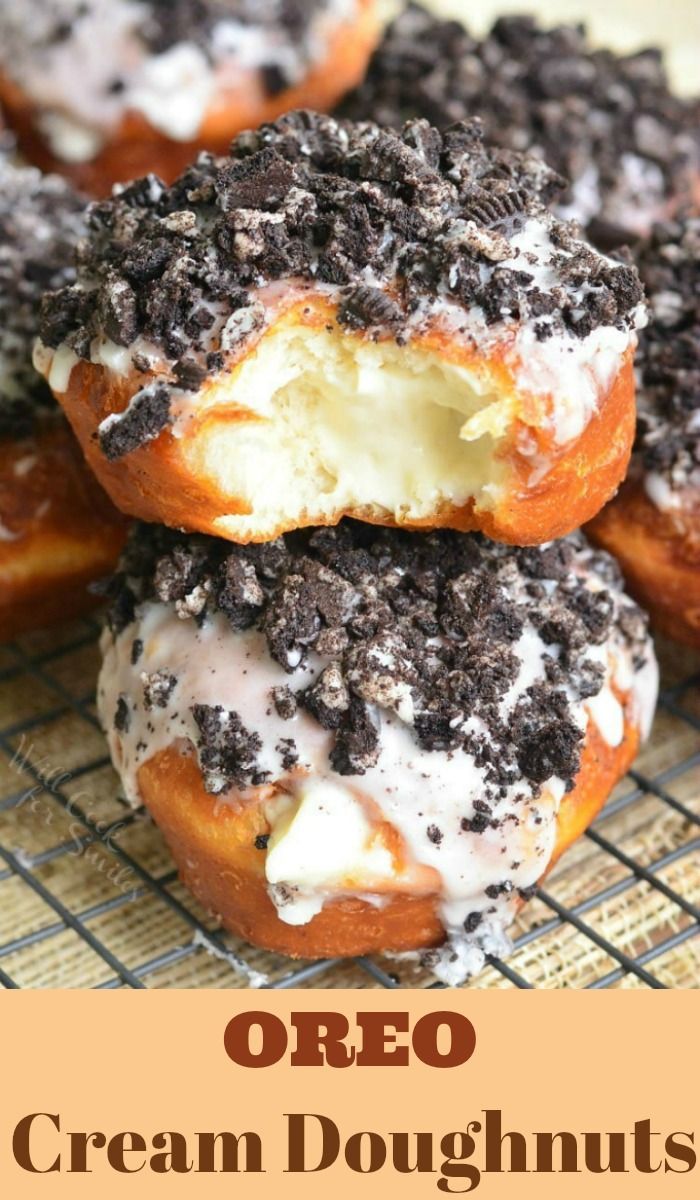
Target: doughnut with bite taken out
339 321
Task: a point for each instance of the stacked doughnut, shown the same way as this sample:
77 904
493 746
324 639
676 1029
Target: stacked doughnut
608 123
107 90
357 382
58 531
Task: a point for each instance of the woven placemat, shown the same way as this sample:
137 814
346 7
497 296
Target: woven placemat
89 896
88 893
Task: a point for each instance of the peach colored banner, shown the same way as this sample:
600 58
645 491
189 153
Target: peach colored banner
124 1094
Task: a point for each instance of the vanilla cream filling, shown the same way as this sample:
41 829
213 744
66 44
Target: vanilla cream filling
328 836
346 423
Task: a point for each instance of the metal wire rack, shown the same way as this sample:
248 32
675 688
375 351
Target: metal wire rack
89 897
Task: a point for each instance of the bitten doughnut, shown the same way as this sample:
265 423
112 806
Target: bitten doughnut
58 531
609 123
336 320
107 90
358 740
653 525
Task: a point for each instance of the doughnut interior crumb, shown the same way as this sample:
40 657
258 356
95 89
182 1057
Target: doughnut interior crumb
332 422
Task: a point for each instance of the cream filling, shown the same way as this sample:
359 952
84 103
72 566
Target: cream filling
330 423
327 840
323 844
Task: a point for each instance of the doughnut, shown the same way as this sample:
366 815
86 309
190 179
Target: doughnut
106 90
653 525
340 321
58 530
358 739
609 123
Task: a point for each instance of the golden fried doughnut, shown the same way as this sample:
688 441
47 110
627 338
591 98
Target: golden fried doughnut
659 553
653 525
214 848
358 740
58 530
340 321
169 85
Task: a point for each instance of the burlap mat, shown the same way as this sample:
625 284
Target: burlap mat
75 912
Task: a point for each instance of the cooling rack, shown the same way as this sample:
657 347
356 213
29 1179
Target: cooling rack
89 896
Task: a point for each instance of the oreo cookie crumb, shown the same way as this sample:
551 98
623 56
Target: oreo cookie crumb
228 752
285 702
122 717
158 687
609 123
41 222
668 360
289 755
431 630
316 200
146 417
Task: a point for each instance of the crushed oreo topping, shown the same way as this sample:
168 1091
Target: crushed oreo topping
607 122
157 689
397 224
668 360
122 716
146 417
41 220
289 755
285 702
227 750
435 627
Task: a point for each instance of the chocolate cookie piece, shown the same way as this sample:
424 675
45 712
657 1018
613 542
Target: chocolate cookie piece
609 123
313 201
668 435
435 628
41 221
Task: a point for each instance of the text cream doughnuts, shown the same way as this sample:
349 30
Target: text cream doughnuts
358 740
609 123
653 525
106 90
337 320
58 531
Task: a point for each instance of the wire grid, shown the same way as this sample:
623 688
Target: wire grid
89 896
